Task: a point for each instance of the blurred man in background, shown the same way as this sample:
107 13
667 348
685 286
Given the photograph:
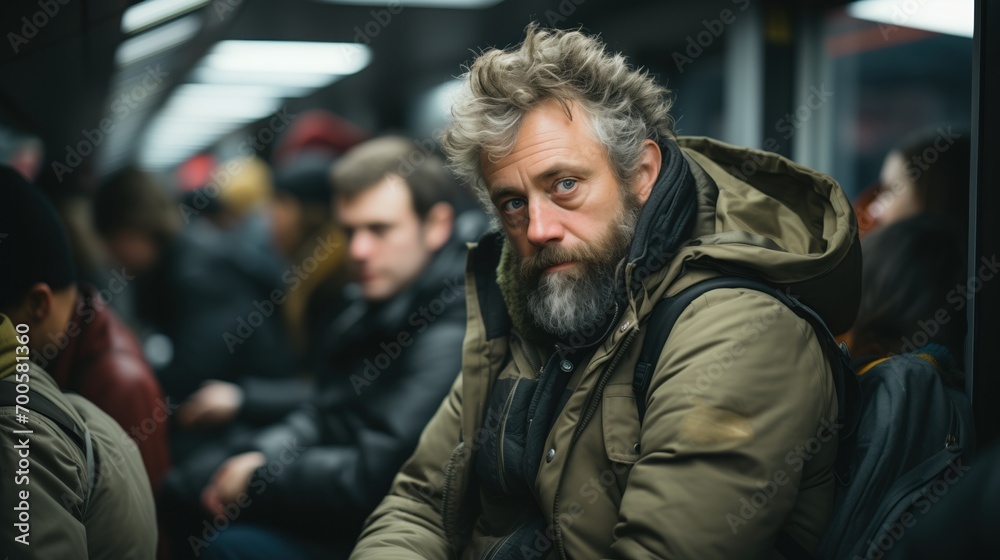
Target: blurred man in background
302 487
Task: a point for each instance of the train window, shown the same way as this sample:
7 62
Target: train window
895 70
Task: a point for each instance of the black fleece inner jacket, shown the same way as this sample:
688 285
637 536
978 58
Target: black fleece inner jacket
390 370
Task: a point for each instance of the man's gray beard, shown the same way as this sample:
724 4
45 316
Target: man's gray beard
563 304
566 302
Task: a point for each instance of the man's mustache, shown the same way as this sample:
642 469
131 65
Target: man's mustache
532 266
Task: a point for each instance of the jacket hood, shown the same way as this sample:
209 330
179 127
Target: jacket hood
762 215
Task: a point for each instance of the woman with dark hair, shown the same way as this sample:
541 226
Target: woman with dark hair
927 172
910 294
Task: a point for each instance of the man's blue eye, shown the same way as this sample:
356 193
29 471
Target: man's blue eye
566 184
513 205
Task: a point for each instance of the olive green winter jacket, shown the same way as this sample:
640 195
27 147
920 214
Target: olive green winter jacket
735 446
44 477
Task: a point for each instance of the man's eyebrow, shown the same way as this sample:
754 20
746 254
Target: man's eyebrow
558 170
554 171
501 192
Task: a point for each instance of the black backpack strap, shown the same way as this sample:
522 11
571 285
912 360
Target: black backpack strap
40 404
665 315
658 328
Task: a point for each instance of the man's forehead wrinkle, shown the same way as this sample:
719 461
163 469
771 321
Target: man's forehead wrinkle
546 140
535 139
538 162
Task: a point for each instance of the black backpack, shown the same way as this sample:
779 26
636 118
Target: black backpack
904 431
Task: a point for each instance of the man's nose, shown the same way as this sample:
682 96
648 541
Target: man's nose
361 245
544 225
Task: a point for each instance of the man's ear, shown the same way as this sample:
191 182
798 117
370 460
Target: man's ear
37 304
649 170
437 225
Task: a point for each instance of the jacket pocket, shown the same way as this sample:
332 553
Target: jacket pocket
620 419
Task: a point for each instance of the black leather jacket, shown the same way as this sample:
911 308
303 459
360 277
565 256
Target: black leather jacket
391 366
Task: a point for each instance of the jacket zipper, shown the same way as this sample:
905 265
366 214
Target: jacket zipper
503 430
591 410
450 529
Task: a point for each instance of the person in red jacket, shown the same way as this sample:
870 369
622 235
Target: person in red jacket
104 363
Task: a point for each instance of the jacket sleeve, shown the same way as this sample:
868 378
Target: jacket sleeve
345 462
408 524
55 491
214 338
740 386
269 400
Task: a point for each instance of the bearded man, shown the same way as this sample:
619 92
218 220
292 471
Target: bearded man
601 212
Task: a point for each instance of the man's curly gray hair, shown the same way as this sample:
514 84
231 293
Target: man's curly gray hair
625 105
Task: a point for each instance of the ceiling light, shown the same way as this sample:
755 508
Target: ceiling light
248 107
474 4
154 12
239 90
289 79
157 40
287 57
955 17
